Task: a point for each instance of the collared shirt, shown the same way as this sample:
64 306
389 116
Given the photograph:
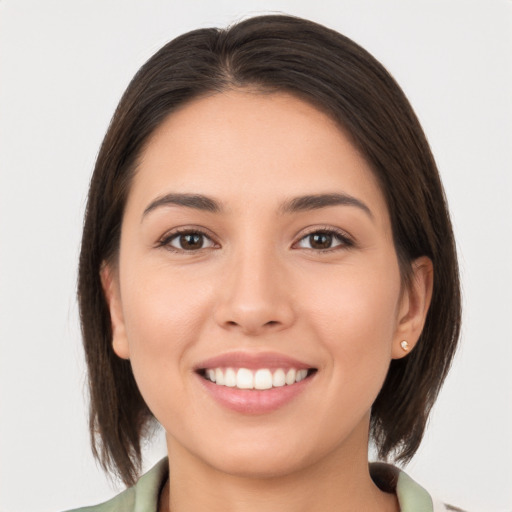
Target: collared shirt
143 497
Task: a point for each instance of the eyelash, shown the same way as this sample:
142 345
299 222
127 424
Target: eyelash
166 240
345 241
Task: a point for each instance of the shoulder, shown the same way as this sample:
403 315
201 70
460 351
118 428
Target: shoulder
122 502
412 497
143 496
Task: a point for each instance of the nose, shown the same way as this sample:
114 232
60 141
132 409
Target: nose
256 295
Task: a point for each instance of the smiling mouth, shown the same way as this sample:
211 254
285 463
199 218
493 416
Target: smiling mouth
258 379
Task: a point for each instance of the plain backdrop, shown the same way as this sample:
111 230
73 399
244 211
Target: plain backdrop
64 65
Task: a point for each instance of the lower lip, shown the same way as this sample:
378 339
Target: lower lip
254 401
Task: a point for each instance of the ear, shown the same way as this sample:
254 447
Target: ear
111 289
413 307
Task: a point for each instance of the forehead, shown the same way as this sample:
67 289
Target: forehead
239 145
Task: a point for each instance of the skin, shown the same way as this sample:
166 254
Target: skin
258 284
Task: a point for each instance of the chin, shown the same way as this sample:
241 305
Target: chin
265 457
260 466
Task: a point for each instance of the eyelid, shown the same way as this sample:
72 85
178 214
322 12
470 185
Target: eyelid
347 241
168 236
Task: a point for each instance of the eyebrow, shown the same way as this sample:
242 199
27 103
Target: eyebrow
296 204
318 201
196 201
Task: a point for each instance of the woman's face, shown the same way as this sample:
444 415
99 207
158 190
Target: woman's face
256 250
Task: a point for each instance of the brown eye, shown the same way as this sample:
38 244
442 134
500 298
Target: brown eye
190 241
320 240
324 241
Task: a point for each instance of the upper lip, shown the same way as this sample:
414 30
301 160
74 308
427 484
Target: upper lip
252 361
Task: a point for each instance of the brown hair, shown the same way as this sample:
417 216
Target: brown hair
323 67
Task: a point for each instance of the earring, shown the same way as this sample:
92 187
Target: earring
404 345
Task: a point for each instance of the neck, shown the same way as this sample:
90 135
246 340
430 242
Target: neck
339 482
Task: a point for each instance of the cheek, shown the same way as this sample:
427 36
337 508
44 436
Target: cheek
161 305
164 317
354 316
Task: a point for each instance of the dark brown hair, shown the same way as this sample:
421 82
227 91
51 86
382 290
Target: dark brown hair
323 67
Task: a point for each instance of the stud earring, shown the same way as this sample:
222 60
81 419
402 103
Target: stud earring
404 345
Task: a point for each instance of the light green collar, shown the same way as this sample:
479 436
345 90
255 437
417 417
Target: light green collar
411 496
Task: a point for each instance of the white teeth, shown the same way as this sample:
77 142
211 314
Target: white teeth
290 376
301 375
219 377
262 378
230 378
279 378
244 379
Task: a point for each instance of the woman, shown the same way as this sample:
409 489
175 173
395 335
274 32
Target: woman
268 270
